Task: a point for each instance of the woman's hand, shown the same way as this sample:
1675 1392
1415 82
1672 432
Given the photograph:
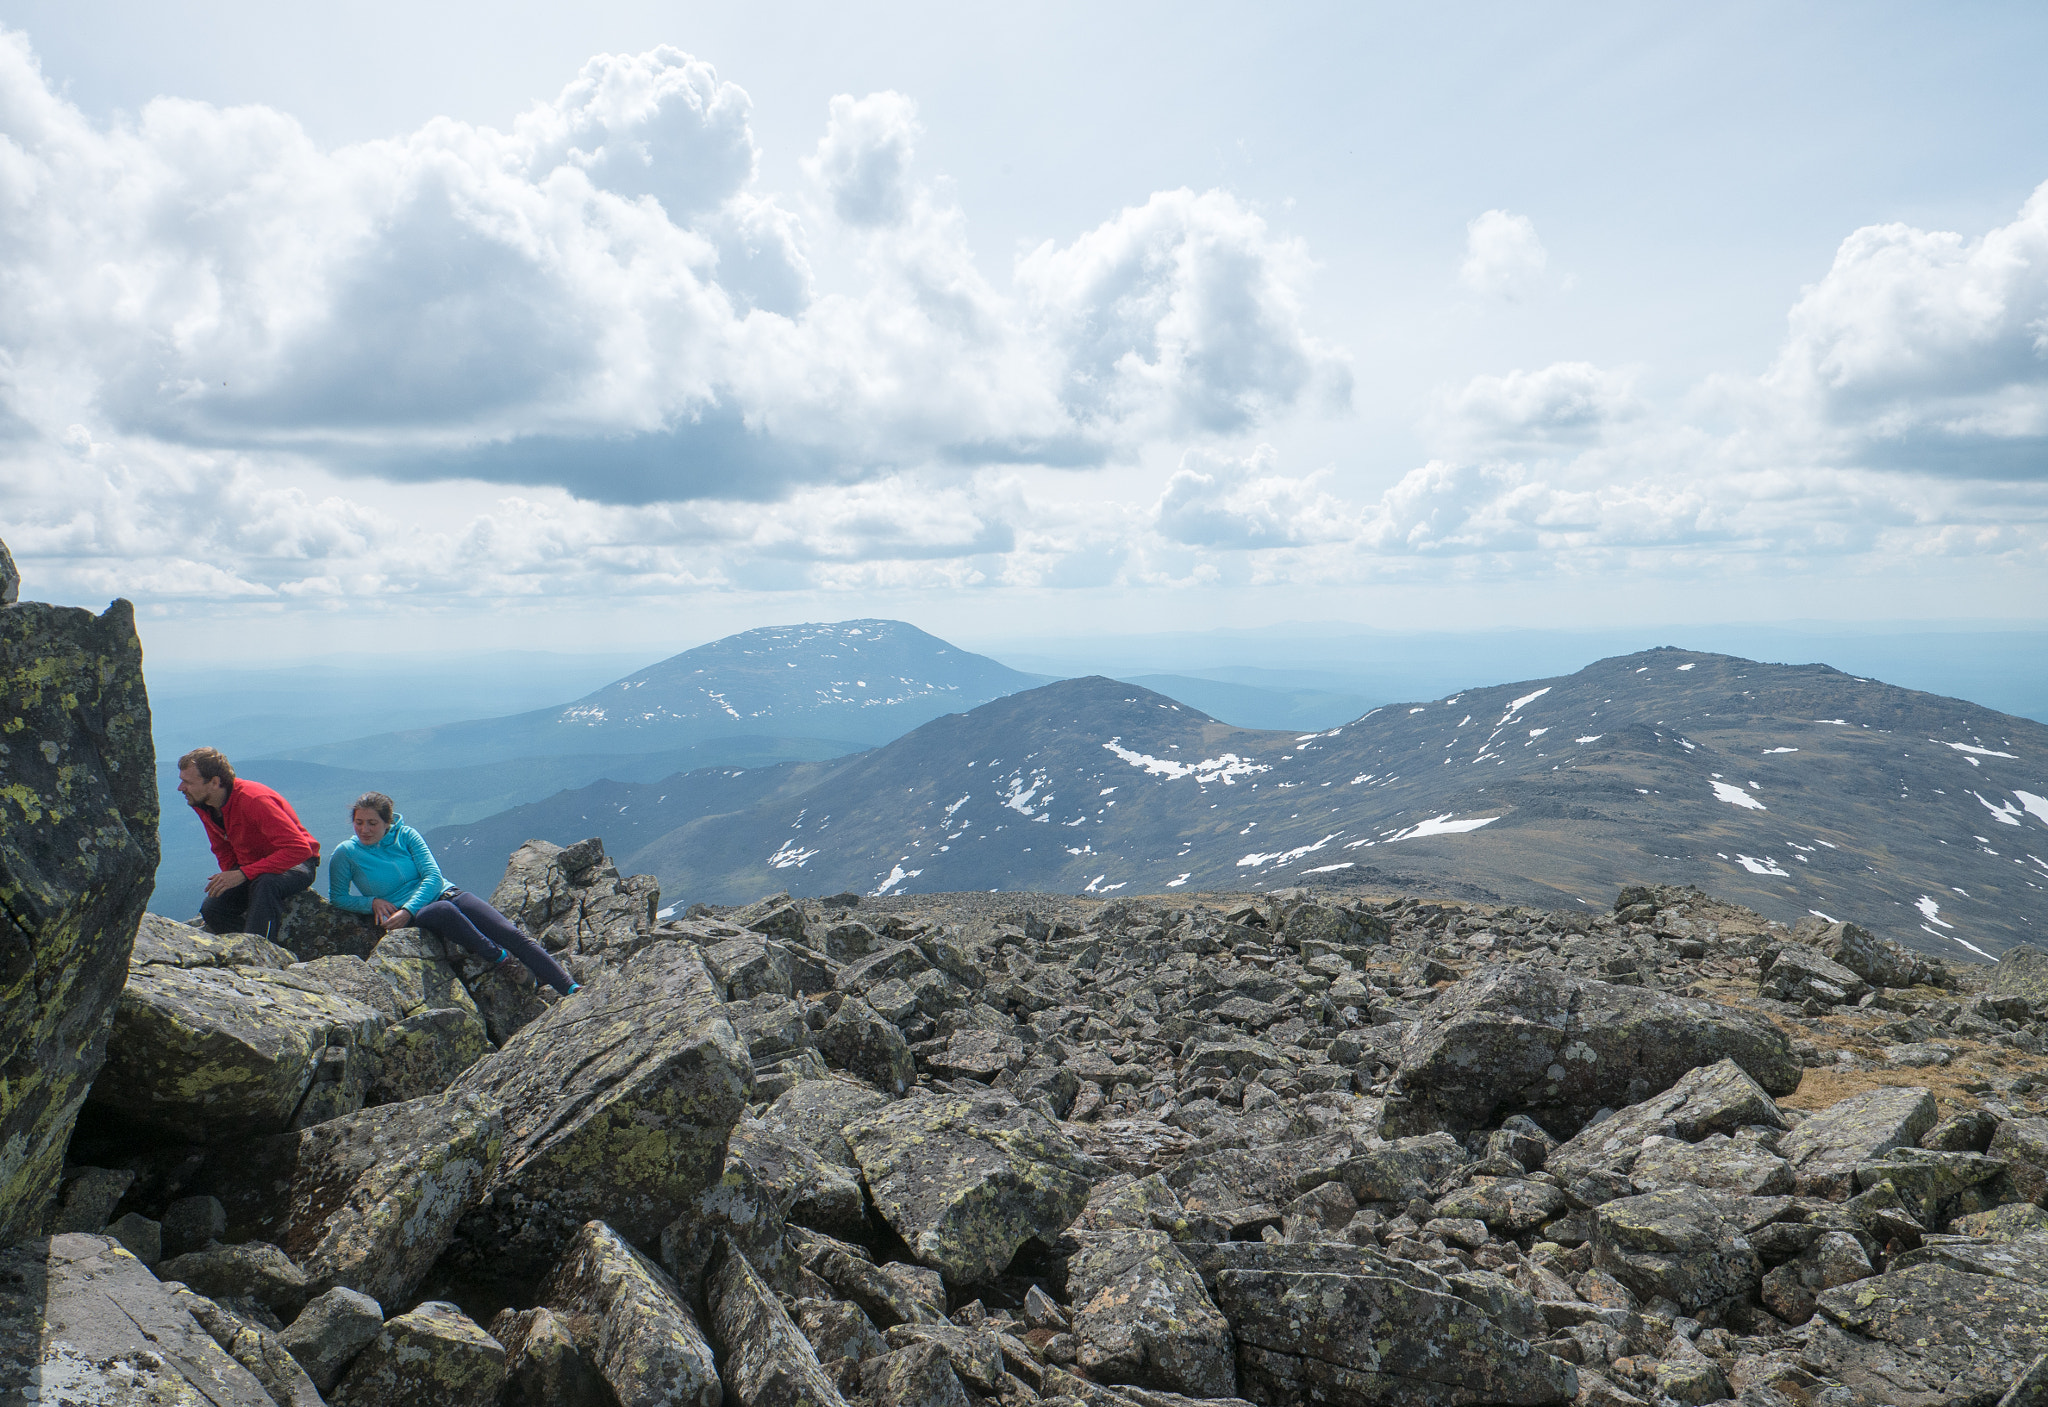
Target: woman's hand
396 918
380 910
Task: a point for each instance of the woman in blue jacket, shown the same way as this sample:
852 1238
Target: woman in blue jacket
397 883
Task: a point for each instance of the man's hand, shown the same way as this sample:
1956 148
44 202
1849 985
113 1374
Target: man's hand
396 918
223 882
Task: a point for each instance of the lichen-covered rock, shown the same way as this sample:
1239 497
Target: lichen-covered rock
1801 975
78 845
825 1196
164 942
218 1052
1508 1206
840 1329
1825 1149
83 1324
423 1053
1879 961
253 1346
417 966
886 1295
1717 1098
87 1199
617 1104
368 1201
251 1269
917 1375
648 1346
741 1211
351 976
330 1331
1676 1245
1558 1046
544 1365
816 1110
314 928
1142 1316
860 1042
768 1361
1717 1161
433 1354
1969 1335
2022 1145
2022 971
966 1182
574 902
1366 1340
1401 1170
1792 1290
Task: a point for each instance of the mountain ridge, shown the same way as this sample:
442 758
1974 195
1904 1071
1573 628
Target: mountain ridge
1775 783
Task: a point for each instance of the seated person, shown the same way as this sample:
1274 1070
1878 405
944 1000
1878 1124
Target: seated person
265 855
397 883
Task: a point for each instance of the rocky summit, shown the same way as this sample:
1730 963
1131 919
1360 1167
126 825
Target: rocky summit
1290 1147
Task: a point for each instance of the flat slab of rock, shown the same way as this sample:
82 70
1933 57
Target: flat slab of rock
768 1361
207 1052
368 1201
966 1182
1717 1098
1365 1340
1825 1149
1969 1334
74 1313
617 1104
78 844
1558 1046
649 1347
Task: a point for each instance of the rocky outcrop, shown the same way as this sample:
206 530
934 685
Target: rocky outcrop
78 846
83 1323
616 1106
645 1341
220 1038
573 900
370 1200
1533 1040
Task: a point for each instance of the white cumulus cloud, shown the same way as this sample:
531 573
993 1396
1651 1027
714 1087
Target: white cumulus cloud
1503 256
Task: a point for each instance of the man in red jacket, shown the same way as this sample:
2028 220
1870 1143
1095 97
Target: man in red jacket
265 855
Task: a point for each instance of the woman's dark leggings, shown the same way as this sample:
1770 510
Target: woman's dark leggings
477 928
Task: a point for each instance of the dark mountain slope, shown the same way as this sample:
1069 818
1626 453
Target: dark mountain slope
1789 788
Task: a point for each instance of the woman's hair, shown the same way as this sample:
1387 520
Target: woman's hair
373 801
209 764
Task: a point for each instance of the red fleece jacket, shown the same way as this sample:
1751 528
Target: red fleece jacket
257 831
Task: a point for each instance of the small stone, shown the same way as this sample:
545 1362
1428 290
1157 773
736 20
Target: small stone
143 1237
190 1222
433 1354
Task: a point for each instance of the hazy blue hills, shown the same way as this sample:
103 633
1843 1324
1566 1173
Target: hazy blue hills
865 681
1792 788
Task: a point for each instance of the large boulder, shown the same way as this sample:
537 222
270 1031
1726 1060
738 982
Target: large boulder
617 1105
1717 1098
83 1324
1825 1149
1882 962
1399 1337
1559 1047
648 1346
1968 1337
1802 975
575 903
1676 1245
205 1051
314 928
1142 1316
367 1201
966 1182
78 845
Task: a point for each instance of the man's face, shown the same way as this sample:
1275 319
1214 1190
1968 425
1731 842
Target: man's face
201 791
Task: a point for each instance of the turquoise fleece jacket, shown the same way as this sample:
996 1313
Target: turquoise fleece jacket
399 868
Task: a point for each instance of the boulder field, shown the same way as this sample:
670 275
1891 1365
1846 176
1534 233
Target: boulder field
991 1150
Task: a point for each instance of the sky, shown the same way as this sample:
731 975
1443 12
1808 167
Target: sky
400 328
